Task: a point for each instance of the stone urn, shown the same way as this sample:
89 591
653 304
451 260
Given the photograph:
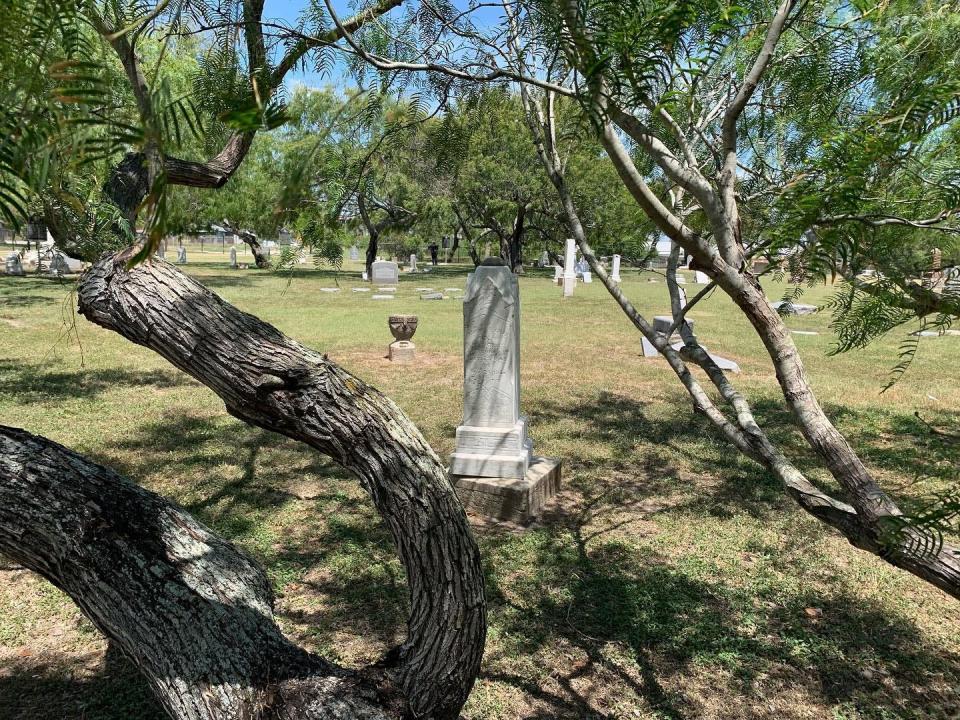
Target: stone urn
402 327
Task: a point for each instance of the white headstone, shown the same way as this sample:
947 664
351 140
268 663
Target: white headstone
354 253
363 275
182 255
13 264
385 272
233 258
413 263
492 440
587 276
701 278
615 275
569 273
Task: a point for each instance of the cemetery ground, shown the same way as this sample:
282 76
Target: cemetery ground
671 578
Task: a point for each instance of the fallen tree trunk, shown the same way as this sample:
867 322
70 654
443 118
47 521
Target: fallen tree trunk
273 382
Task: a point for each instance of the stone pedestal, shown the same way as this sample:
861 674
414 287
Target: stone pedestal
402 351
517 500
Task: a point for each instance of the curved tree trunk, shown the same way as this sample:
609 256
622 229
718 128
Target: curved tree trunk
260 258
273 382
193 612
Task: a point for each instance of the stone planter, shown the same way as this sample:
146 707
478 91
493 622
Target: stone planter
402 327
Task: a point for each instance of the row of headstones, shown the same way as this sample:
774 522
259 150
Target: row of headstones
58 264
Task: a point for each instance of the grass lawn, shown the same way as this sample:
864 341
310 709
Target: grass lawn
671 578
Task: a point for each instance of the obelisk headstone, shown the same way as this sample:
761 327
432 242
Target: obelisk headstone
569 269
492 467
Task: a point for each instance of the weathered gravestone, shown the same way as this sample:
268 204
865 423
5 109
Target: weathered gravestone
492 467
13 266
385 272
233 258
58 264
615 275
354 253
182 255
413 263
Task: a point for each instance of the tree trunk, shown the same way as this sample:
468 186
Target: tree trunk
514 245
193 612
273 382
260 258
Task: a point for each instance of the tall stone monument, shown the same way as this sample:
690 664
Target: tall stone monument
492 466
569 268
615 274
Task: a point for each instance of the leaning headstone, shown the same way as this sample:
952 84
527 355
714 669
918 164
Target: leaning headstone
181 255
233 258
569 271
385 272
615 275
413 263
492 467
13 266
662 323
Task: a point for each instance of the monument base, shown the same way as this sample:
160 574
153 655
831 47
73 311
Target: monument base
569 283
403 351
518 501
493 452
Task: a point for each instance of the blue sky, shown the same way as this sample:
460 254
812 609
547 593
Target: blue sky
289 13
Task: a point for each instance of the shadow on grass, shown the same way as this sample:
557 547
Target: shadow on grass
563 582
30 382
49 690
587 595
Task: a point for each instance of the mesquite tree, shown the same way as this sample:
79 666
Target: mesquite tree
712 116
192 611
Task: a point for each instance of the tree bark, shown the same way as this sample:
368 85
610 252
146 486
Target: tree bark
193 612
273 382
260 258
372 231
